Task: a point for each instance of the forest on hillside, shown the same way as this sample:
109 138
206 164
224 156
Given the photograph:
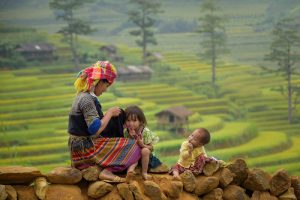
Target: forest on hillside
248 28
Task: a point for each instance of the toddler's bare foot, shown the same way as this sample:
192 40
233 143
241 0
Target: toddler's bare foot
176 177
146 176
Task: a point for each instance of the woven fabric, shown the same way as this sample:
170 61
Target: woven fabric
101 70
114 154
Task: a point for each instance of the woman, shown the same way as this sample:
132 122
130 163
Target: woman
97 139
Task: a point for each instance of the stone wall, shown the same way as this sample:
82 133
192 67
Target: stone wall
233 181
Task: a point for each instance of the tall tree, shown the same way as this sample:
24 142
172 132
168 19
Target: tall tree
212 31
286 52
143 16
74 27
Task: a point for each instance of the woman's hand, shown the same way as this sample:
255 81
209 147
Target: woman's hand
111 112
114 111
140 142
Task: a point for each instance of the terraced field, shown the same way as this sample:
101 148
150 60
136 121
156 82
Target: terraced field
247 119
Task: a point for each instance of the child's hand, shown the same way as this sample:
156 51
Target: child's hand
140 142
190 148
140 130
139 136
131 133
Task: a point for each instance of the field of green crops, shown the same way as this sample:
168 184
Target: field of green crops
249 120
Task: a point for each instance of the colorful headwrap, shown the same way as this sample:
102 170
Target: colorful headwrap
101 70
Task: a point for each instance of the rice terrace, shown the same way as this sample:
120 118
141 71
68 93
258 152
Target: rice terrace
246 109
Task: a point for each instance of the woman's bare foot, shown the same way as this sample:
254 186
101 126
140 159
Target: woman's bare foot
176 177
108 176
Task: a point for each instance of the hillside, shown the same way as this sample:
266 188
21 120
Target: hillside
35 106
246 115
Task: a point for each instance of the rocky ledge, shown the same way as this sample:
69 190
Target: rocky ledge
233 181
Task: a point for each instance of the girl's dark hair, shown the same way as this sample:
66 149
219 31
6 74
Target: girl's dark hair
135 111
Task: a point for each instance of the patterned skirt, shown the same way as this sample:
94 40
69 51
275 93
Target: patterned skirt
113 154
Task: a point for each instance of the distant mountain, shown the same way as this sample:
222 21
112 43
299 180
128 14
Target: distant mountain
14 4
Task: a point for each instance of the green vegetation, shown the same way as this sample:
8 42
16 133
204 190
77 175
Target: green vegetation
213 32
33 122
289 155
285 51
143 15
279 141
244 111
74 25
29 134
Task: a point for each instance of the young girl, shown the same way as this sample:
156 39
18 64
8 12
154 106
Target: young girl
135 122
192 154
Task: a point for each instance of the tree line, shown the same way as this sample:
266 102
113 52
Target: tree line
284 48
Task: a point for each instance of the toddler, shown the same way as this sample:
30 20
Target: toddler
192 154
135 124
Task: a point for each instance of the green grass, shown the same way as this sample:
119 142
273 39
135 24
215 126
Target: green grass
28 135
39 92
25 122
169 146
34 149
36 159
169 160
16 111
291 168
211 123
39 113
164 135
233 134
289 155
46 168
255 147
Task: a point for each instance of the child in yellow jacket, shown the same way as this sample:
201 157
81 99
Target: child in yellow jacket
192 154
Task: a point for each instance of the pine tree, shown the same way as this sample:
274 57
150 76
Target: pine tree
212 31
74 25
286 52
143 16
